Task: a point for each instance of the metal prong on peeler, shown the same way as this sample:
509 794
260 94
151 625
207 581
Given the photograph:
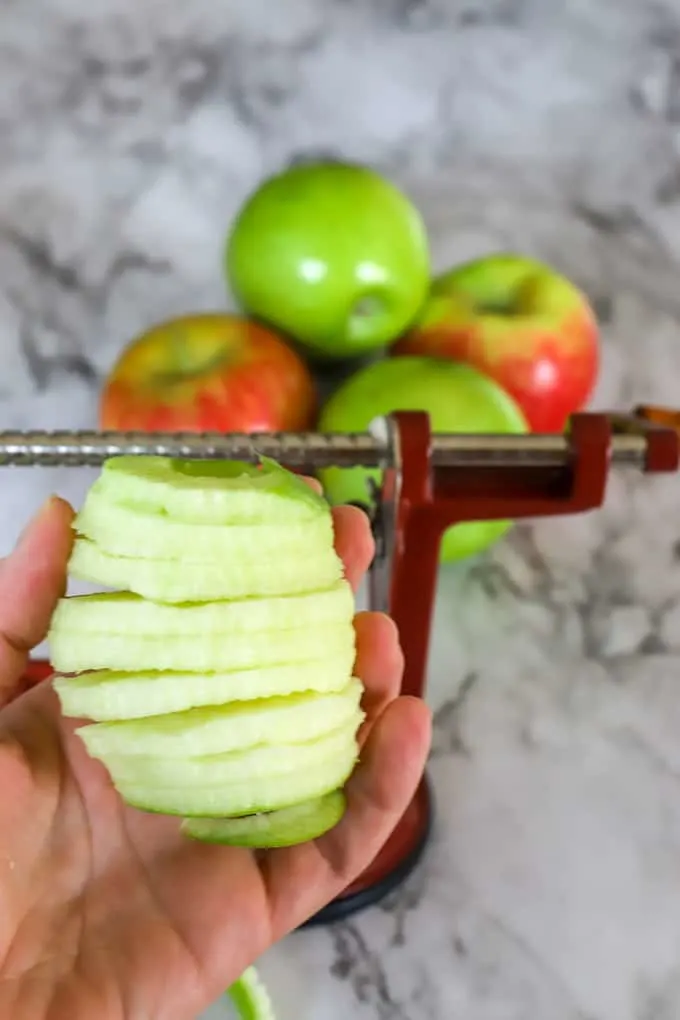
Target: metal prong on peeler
295 449
385 502
302 450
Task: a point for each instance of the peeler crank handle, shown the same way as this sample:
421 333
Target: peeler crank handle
301 450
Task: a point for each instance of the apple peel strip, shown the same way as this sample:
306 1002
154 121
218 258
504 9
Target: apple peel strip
250 997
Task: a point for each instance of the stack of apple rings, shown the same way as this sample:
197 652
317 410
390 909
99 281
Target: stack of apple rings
218 678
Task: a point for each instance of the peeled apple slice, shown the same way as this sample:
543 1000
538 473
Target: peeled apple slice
189 581
72 651
135 532
210 492
286 827
249 796
108 695
218 678
235 766
121 631
126 613
288 719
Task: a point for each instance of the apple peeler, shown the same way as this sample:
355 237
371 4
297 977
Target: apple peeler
429 482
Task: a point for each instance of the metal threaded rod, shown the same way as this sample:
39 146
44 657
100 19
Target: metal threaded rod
305 450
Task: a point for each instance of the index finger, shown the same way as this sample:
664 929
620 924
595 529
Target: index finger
354 542
32 579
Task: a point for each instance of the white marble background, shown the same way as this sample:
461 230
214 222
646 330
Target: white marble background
129 133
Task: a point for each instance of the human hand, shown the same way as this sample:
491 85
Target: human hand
108 912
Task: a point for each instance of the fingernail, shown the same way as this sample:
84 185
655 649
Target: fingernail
40 513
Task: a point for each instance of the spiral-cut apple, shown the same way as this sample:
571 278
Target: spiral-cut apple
217 681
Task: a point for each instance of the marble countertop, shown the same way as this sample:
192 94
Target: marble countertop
130 133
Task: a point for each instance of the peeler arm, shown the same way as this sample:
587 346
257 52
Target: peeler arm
420 499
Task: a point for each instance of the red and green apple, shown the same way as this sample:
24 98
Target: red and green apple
332 254
522 324
208 372
457 398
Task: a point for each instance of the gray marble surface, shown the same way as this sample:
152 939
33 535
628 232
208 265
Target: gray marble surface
129 134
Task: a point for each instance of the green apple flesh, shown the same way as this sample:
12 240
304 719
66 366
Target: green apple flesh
331 253
263 741
457 398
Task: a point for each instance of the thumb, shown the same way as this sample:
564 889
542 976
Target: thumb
32 579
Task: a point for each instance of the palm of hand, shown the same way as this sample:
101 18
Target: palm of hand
109 912
99 890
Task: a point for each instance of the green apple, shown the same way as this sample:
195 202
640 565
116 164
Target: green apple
457 398
332 254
